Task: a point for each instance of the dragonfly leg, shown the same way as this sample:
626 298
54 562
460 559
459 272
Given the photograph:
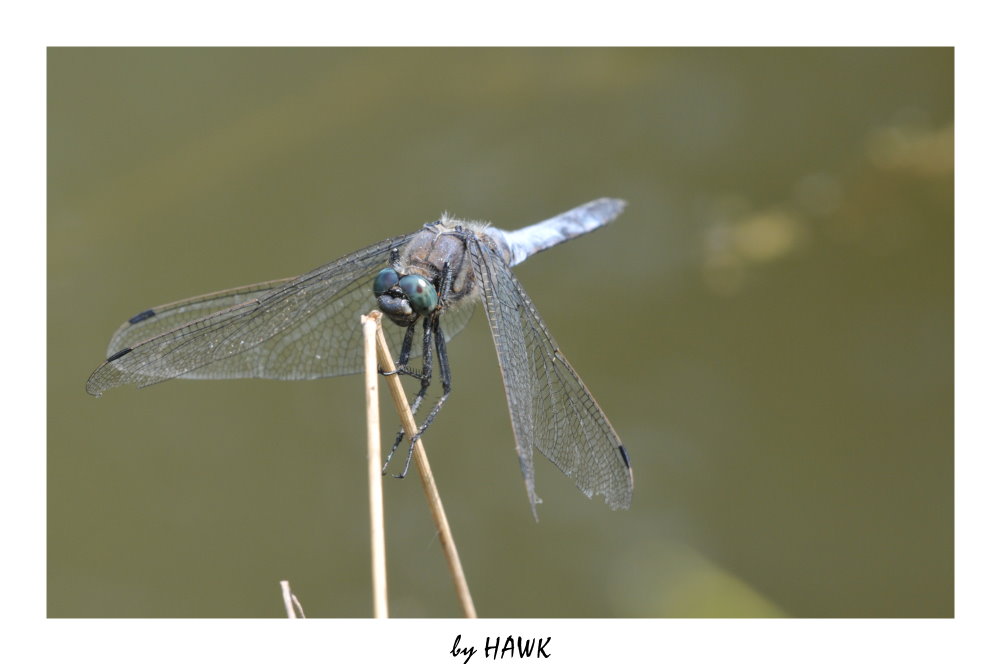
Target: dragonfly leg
442 354
404 354
425 382
445 368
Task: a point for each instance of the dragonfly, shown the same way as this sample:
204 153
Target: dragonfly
307 327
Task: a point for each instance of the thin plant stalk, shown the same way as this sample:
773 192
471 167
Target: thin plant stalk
292 606
380 602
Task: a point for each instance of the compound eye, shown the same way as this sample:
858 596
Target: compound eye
384 280
421 294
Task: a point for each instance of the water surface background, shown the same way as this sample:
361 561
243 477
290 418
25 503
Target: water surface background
769 326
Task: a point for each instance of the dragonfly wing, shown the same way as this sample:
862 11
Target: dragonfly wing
292 329
167 317
550 407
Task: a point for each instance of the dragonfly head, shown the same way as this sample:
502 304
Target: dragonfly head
404 299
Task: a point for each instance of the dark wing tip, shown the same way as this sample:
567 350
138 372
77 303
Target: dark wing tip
115 356
141 316
624 453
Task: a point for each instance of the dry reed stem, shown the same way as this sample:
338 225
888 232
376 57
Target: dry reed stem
380 601
292 607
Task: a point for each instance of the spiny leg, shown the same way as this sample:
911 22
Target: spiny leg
401 368
425 382
442 354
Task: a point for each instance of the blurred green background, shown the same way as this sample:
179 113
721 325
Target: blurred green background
769 326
